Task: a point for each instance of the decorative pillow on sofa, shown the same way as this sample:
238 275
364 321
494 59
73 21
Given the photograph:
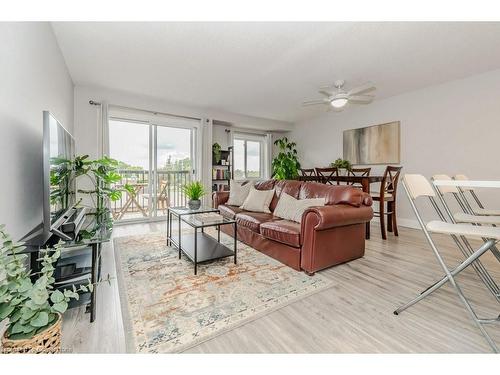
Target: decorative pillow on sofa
238 193
289 208
258 200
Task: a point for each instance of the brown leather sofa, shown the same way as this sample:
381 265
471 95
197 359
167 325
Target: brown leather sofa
327 236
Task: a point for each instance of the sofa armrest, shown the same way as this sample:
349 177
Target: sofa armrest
219 197
326 217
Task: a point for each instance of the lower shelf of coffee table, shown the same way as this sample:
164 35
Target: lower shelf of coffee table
208 248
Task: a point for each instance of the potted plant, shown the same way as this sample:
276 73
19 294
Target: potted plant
216 153
286 164
342 165
33 309
194 191
102 175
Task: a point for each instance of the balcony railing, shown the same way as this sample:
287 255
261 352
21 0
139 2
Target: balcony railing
141 204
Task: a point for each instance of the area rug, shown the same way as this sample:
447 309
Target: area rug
168 309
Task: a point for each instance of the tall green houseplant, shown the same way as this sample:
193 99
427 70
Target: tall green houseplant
286 164
103 176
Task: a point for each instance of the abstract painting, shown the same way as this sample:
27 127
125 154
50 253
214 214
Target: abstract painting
378 144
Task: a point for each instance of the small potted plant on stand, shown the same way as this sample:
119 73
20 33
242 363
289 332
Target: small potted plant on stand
34 310
342 165
216 153
194 191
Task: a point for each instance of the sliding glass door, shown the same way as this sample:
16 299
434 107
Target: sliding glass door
174 165
156 160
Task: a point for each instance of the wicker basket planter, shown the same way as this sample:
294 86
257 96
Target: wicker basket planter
48 341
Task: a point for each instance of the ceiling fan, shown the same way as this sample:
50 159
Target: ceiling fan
337 97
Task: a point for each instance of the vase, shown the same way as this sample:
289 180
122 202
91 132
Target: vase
194 204
45 342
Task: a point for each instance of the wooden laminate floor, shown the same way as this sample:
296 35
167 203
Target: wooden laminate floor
354 315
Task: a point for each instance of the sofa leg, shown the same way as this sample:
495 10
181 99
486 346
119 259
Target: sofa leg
309 273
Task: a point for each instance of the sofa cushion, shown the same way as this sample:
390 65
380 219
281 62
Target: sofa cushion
253 220
335 194
290 187
284 231
238 192
290 208
258 200
229 211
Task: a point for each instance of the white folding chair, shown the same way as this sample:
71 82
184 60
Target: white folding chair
464 217
479 210
417 186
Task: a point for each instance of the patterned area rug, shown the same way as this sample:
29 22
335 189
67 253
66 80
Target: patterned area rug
167 308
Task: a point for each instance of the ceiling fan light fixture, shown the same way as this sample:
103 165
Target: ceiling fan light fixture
338 102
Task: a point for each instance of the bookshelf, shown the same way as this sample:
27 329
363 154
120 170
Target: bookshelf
222 171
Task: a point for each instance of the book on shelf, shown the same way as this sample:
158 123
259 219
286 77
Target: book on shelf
220 187
220 174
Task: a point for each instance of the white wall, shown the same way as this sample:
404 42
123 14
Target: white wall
450 128
34 79
86 115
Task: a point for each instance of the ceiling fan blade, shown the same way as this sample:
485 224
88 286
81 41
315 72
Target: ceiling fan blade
326 93
369 86
327 87
315 102
361 98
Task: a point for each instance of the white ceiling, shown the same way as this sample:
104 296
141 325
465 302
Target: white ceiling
267 69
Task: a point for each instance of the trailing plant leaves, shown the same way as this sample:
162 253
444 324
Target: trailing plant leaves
60 307
57 296
41 319
5 310
39 296
27 313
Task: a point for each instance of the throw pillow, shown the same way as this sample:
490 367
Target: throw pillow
238 193
258 200
289 208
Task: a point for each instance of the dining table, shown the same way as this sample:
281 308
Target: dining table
131 198
364 181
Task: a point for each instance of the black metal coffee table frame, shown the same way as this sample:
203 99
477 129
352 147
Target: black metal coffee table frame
200 247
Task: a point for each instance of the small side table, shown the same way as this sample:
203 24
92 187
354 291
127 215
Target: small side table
200 247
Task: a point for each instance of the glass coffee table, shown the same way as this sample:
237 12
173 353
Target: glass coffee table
199 246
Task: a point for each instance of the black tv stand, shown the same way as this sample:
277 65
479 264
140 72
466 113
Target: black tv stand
80 255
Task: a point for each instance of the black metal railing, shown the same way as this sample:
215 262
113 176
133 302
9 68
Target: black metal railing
137 206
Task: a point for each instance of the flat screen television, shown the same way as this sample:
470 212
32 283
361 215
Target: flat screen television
59 194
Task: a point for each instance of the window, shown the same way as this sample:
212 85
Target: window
249 156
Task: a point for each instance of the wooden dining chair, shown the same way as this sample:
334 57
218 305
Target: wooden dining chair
357 172
326 175
306 172
387 197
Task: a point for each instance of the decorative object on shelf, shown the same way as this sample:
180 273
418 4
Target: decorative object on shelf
342 165
286 164
194 191
33 308
216 152
103 176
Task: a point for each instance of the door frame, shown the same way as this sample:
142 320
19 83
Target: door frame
195 154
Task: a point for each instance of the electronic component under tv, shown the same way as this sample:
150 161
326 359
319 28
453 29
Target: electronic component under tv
59 195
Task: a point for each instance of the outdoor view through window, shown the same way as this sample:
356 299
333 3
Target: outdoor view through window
247 159
130 144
